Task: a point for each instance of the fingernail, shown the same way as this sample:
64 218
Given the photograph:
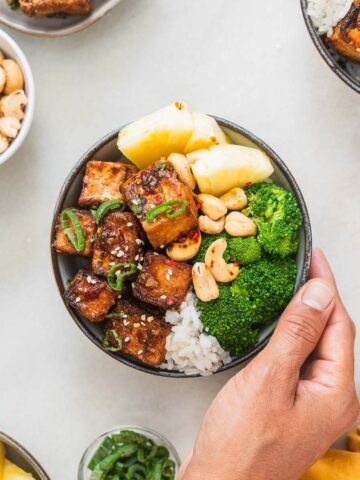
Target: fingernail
317 295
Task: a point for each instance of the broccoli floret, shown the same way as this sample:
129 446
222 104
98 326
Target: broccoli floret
244 250
277 215
230 321
268 285
257 296
206 241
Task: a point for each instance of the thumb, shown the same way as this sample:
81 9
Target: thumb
300 328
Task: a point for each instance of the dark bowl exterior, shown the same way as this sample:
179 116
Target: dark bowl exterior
325 53
83 324
21 457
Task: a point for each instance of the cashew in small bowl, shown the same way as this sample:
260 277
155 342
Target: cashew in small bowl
13 105
205 286
214 260
2 79
14 76
9 126
239 225
209 226
212 206
234 199
4 143
184 250
182 167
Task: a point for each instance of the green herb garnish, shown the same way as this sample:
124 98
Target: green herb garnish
168 209
107 343
68 217
106 207
116 281
130 455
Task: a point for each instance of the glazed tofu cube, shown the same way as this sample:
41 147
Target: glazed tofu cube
102 182
62 243
90 296
52 7
162 282
119 240
153 186
143 334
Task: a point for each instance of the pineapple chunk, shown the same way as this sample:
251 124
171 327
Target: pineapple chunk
2 460
157 135
206 133
13 472
222 167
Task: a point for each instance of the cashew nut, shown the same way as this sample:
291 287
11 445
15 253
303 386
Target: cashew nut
214 260
209 226
182 167
234 199
14 76
9 126
2 79
212 206
239 225
4 144
185 250
205 285
12 105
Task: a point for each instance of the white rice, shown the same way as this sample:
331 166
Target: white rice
325 14
188 349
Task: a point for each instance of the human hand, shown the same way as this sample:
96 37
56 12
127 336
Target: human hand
279 414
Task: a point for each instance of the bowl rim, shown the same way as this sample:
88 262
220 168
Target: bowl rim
137 429
86 22
30 93
127 360
4 437
324 52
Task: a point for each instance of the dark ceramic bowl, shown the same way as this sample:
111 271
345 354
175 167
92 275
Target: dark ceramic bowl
21 457
336 62
66 266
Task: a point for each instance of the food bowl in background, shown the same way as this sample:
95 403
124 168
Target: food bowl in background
84 472
17 454
338 64
13 51
54 26
65 266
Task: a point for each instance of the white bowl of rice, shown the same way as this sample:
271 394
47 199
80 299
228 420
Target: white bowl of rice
321 17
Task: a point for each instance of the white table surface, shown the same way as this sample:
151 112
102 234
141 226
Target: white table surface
252 64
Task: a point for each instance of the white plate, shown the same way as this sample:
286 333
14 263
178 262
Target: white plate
54 27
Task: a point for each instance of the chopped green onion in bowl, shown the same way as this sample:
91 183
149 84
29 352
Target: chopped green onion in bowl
130 452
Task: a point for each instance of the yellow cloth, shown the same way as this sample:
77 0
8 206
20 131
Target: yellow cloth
338 464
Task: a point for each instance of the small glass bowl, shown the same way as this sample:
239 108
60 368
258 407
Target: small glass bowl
84 472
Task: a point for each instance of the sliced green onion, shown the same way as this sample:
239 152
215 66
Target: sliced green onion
68 217
115 315
103 451
168 209
107 343
126 436
102 469
106 207
116 281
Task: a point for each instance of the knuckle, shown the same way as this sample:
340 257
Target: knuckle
299 327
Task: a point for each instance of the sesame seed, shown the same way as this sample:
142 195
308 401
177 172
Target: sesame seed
170 272
126 322
136 325
120 254
136 258
77 299
126 248
163 297
129 224
112 263
150 319
139 267
117 272
138 241
113 252
143 324
143 317
140 352
125 316
167 276
126 339
162 246
93 281
88 279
